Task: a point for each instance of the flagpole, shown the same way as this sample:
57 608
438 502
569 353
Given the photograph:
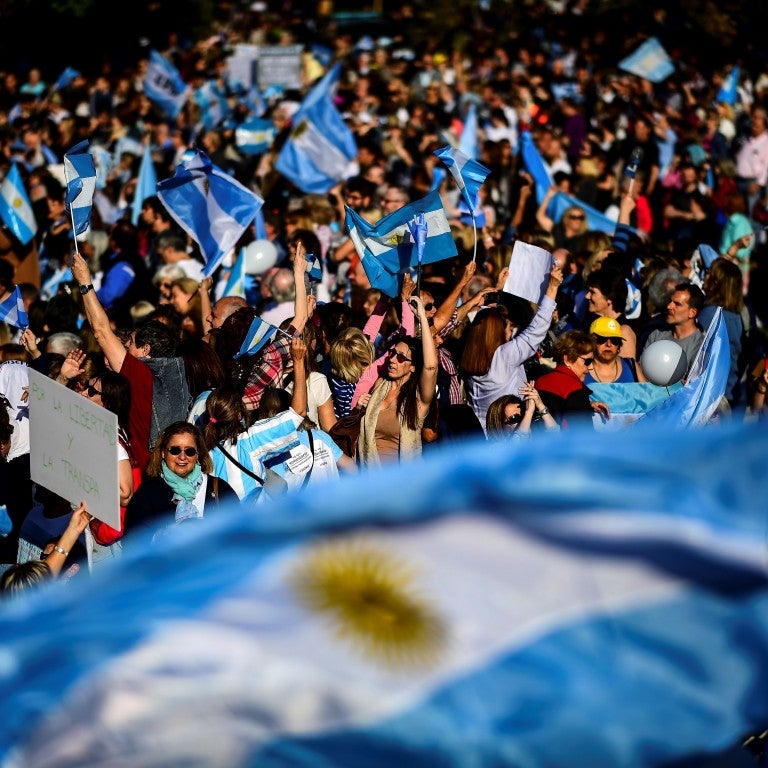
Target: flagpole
474 232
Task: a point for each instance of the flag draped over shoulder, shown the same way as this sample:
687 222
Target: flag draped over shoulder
468 174
12 310
650 61
146 184
15 208
386 249
80 175
321 145
211 207
523 601
164 86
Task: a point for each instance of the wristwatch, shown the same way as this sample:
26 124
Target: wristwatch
85 288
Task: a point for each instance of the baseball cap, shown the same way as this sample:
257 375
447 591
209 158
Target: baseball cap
606 326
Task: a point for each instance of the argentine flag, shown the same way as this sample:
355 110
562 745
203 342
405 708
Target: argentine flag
214 107
255 136
579 599
65 78
321 146
146 184
164 86
386 248
80 175
259 335
650 61
468 174
235 285
12 310
210 206
15 208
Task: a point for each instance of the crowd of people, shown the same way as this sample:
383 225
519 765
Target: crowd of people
127 319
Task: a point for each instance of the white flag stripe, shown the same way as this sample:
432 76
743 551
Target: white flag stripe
437 224
321 152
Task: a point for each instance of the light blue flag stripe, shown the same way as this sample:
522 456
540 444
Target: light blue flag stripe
213 104
255 136
80 174
15 208
650 61
596 220
321 146
468 174
235 285
535 165
259 335
546 600
65 78
146 184
469 144
211 207
729 90
164 86
386 248
12 310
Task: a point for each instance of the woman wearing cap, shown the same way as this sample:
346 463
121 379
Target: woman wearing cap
608 367
563 390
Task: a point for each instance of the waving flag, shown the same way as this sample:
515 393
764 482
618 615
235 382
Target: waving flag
314 267
103 162
535 165
235 285
386 249
596 220
468 174
729 90
696 402
259 335
12 310
255 136
509 607
146 184
164 86
80 175
214 107
15 208
65 78
321 145
211 207
469 144
650 61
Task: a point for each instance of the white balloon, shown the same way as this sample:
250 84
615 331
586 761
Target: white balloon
260 255
664 362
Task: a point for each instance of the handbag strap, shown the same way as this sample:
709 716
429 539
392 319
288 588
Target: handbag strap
242 468
312 466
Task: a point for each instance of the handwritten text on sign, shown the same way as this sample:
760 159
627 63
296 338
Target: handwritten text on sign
73 447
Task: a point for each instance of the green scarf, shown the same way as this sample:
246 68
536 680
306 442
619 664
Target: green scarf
184 487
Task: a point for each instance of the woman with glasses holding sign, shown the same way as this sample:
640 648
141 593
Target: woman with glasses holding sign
177 484
562 390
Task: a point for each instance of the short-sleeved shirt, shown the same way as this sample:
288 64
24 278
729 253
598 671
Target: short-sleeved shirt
140 416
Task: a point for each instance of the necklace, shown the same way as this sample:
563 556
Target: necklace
616 372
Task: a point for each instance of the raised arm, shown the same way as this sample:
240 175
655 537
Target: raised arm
428 378
299 357
107 339
541 212
77 524
301 313
445 312
204 286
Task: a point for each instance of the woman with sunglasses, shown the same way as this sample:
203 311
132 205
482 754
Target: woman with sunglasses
511 416
569 231
178 485
609 367
399 402
562 390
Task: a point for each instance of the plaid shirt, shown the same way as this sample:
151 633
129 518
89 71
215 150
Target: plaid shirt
271 366
445 361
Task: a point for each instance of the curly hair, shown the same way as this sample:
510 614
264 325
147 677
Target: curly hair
154 467
572 345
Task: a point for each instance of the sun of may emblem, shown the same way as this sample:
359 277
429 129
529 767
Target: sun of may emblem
300 129
370 599
396 239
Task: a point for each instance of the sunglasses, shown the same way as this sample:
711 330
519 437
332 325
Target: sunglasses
608 340
516 418
92 391
399 356
175 450
577 216
587 360
429 307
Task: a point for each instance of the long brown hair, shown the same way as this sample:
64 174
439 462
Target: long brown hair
724 285
486 334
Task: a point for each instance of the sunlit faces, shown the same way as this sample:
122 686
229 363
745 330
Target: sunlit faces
606 348
596 301
400 363
180 300
581 364
184 461
678 309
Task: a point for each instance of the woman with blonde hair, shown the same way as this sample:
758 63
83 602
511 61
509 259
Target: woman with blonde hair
185 298
351 354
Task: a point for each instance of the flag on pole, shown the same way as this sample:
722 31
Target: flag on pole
12 310
102 160
729 90
15 208
210 206
164 86
321 145
468 174
146 184
214 107
65 79
386 249
236 281
496 607
260 225
254 137
259 335
469 144
80 175
314 267
650 61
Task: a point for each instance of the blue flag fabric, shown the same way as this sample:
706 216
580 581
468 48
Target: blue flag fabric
235 285
146 184
469 143
596 220
314 267
386 249
211 207
164 86
650 61
15 208
80 175
696 403
316 155
260 225
65 79
535 165
259 335
633 596
12 310
214 107
468 174
254 137
729 90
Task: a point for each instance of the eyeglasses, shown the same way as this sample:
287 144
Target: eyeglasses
587 360
92 391
399 356
608 340
391 202
511 421
175 450
429 307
